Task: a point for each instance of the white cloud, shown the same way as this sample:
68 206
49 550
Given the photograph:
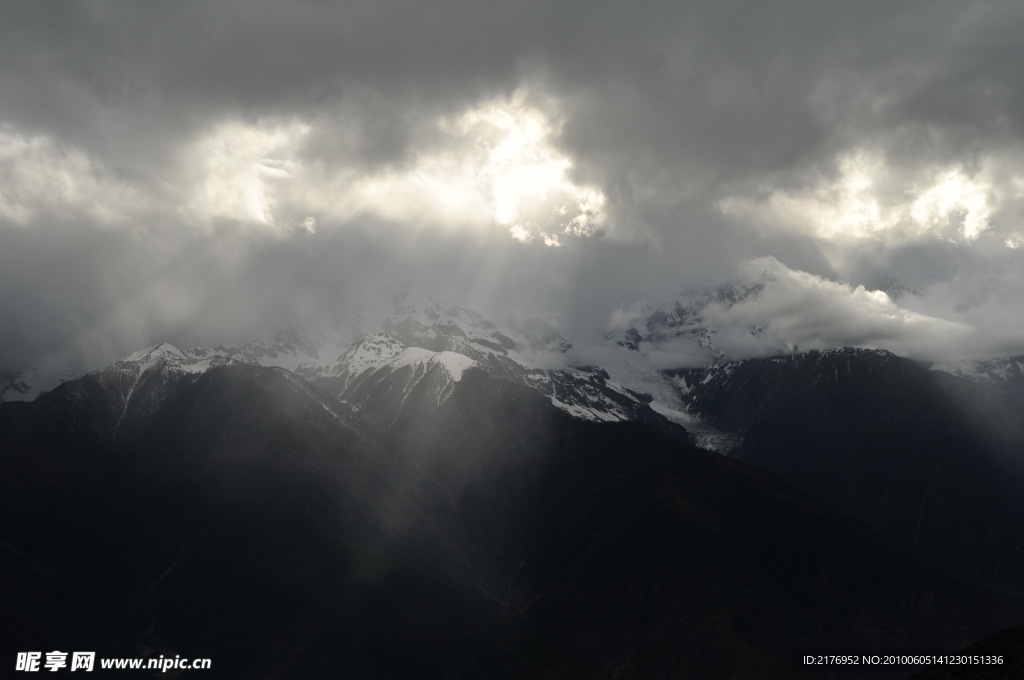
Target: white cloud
239 170
798 309
40 175
792 310
493 166
868 198
625 315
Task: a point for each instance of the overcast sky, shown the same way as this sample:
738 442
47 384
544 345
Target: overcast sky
204 172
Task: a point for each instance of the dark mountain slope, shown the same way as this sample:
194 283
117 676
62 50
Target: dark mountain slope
243 524
249 518
929 459
646 558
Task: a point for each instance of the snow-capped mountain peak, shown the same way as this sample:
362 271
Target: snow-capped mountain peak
377 350
528 340
167 356
373 349
440 326
163 351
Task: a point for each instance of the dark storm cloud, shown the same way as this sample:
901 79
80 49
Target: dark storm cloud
705 91
110 110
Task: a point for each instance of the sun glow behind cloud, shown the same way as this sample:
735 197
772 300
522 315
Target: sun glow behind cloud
240 169
492 166
526 177
867 198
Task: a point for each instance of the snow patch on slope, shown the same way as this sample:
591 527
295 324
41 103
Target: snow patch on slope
630 371
454 364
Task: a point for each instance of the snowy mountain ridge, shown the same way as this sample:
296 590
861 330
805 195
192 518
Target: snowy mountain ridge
424 349
996 372
532 354
426 345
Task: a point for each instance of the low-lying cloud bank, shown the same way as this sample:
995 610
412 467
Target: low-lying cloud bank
770 309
